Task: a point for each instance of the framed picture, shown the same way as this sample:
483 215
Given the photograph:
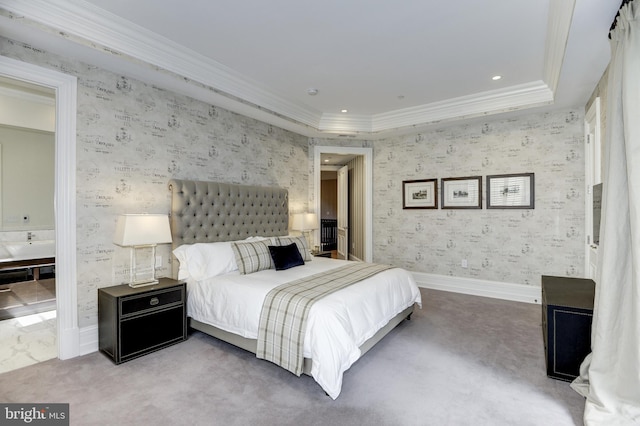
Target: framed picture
420 194
515 191
462 192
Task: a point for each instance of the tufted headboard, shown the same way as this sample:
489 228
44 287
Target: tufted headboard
204 212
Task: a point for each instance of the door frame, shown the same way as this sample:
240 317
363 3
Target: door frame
593 176
66 88
368 190
343 213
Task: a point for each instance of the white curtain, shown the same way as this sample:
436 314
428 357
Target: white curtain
610 376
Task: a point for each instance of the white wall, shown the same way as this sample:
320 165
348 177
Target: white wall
27 126
27 169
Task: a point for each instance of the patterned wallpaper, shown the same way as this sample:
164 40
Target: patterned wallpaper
133 137
512 246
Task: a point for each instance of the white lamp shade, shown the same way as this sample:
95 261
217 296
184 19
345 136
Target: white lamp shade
142 229
304 221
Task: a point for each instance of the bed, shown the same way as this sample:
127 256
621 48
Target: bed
212 223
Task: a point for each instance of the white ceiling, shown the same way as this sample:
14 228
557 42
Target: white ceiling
393 65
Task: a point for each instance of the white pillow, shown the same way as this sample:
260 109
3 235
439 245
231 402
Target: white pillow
258 238
205 260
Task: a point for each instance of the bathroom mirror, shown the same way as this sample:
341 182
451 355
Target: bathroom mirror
27 156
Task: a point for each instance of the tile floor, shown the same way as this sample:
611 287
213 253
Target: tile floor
27 340
27 297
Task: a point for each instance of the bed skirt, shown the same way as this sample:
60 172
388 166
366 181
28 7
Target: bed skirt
252 344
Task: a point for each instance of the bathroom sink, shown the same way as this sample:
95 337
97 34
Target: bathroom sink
28 250
5 254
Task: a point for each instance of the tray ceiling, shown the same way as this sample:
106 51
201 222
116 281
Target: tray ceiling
392 65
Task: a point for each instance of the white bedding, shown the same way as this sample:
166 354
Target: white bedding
337 325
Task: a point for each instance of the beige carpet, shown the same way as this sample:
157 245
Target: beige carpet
461 360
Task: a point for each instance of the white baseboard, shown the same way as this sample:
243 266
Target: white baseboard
476 287
88 339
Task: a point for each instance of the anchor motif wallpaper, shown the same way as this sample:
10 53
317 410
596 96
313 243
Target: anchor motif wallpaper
133 136
510 246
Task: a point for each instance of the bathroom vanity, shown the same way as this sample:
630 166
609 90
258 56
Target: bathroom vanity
27 278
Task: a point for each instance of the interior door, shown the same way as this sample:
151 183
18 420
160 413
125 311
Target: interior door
343 213
593 177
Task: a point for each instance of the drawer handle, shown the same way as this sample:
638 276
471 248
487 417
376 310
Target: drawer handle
154 301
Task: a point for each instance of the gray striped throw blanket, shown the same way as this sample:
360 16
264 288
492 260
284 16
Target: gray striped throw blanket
284 311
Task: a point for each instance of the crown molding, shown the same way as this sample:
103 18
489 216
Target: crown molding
492 102
558 26
341 123
87 24
82 22
485 103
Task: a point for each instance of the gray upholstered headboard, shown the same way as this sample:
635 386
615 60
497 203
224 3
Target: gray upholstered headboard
204 212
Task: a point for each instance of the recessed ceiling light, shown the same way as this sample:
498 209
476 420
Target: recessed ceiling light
496 77
326 160
344 110
312 91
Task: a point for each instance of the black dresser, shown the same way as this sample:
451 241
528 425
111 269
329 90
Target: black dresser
567 311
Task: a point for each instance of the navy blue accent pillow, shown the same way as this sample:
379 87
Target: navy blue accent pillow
285 257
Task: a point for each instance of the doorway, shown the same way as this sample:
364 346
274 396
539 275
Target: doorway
27 253
65 87
327 245
367 188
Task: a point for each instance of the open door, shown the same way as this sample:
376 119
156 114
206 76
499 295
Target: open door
343 213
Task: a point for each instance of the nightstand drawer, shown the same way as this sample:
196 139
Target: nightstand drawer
150 301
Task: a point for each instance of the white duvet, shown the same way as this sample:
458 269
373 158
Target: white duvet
337 325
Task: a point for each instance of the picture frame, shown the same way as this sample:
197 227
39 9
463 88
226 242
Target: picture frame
461 192
420 194
511 191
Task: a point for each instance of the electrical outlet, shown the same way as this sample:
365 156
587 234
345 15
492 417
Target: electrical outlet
464 263
158 261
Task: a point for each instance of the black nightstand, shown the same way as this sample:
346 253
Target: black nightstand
135 321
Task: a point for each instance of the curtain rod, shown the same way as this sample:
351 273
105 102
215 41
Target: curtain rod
615 20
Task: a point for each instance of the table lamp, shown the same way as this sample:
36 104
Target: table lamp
305 222
142 231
